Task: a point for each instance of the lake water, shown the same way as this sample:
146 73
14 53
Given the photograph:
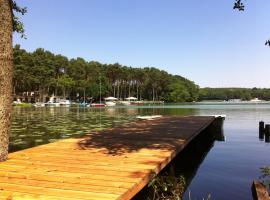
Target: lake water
226 172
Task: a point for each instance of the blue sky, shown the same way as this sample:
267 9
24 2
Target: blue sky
205 41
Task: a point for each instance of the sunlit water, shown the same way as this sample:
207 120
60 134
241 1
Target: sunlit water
226 172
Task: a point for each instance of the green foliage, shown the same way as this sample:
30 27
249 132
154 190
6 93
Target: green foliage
266 176
25 105
17 24
182 90
238 4
44 72
233 93
178 93
66 83
167 187
267 43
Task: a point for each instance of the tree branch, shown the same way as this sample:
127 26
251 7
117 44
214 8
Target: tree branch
17 24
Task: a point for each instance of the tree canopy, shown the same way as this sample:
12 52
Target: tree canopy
46 73
16 23
234 93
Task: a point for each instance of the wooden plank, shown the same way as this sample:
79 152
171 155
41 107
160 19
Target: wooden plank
259 191
71 180
115 163
11 195
65 186
56 192
86 176
110 174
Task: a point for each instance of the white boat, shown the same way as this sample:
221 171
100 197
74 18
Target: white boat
129 101
151 117
39 104
126 103
18 101
110 101
64 102
52 102
235 100
255 100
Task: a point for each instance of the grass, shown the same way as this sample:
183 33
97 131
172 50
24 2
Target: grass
168 188
23 105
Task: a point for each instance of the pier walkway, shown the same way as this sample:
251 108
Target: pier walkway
114 163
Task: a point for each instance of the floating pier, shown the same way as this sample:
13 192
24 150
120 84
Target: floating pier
114 163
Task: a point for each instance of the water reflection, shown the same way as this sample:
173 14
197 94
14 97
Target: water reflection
35 126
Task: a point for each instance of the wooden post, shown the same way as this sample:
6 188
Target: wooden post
259 191
261 130
261 126
267 133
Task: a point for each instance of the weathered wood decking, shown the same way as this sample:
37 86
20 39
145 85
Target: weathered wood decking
112 164
259 191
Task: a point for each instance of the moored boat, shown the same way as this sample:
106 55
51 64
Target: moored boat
129 101
110 101
98 104
52 102
137 103
39 104
126 103
84 104
64 102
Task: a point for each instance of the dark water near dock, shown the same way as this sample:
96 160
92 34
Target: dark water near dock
225 171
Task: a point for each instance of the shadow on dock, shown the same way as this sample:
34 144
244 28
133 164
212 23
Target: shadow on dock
157 134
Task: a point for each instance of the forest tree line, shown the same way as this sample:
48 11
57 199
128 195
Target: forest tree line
48 74
45 73
234 93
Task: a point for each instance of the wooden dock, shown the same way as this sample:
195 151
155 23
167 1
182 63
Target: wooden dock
111 164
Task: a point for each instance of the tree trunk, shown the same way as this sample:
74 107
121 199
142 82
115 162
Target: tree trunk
114 90
129 89
118 93
64 92
153 92
137 91
6 64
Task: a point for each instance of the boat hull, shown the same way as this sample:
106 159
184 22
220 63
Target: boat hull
97 105
110 103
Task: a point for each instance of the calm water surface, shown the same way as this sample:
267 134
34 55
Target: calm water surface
227 170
